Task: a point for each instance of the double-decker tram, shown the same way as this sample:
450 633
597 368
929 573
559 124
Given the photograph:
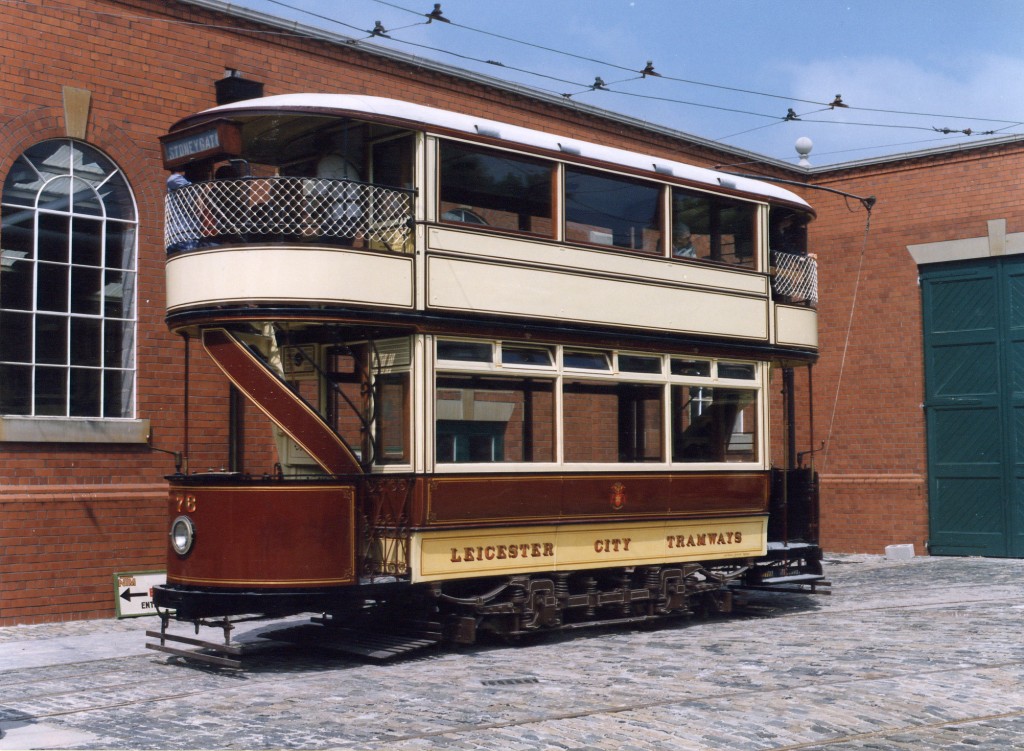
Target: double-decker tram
455 372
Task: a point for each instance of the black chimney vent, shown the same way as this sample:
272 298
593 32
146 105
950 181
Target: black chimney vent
234 88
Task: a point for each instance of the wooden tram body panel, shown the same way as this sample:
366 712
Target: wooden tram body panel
266 536
519 499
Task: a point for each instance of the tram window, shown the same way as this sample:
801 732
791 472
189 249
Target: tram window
391 162
719 229
739 370
639 364
526 356
714 424
612 422
692 368
392 428
480 186
494 420
608 210
586 360
464 351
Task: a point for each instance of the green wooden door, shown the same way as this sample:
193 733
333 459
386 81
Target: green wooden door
974 406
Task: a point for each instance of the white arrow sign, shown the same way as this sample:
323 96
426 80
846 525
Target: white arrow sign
133 592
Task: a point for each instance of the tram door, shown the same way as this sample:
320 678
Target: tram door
974 406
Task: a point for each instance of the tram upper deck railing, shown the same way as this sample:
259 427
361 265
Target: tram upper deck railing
282 209
302 209
795 278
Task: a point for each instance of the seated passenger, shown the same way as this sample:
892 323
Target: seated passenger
682 242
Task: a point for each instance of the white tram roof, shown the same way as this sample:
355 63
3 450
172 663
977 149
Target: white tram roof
352 104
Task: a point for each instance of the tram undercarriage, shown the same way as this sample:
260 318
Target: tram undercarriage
400 618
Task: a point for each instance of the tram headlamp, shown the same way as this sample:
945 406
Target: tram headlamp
183 534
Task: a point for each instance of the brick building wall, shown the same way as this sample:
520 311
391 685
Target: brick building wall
869 383
72 514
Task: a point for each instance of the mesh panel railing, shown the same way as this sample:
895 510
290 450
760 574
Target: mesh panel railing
795 278
275 209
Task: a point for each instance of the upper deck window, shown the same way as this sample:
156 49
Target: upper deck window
713 228
504 191
606 209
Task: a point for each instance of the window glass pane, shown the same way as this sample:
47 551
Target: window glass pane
86 239
117 198
607 210
15 389
52 340
51 391
118 294
86 342
743 370
610 423
118 344
117 393
526 356
84 199
639 364
393 162
120 247
392 431
464 351
17 234
500 190
52 290
494 420
86 290
697 368
22 184
15 337
50 157
85 393
16 283
54 231
712 228
588 360
714 424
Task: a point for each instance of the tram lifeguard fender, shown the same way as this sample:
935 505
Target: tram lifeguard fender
282 405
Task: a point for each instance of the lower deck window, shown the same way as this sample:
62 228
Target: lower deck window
494 420
714 424
609 423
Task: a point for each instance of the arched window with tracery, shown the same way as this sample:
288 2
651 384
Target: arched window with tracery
68 242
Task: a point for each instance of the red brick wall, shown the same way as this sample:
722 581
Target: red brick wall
65 508
145 69
869 383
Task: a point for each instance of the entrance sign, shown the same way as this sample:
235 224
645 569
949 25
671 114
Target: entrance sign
133 592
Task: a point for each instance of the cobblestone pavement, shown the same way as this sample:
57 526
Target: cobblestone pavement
921 654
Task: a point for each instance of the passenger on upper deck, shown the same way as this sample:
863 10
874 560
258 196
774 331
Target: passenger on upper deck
342 211
682 242
177 179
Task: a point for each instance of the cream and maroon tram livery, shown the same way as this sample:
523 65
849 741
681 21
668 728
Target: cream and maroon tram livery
490 377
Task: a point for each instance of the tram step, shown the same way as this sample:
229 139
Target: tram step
370 645
818 578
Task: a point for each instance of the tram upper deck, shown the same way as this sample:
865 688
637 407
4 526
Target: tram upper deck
370 209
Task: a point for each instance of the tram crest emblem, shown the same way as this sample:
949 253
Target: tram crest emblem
618 496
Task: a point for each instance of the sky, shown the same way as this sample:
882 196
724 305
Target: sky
914 74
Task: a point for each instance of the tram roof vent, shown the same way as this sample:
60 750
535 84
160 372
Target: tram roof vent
233 88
